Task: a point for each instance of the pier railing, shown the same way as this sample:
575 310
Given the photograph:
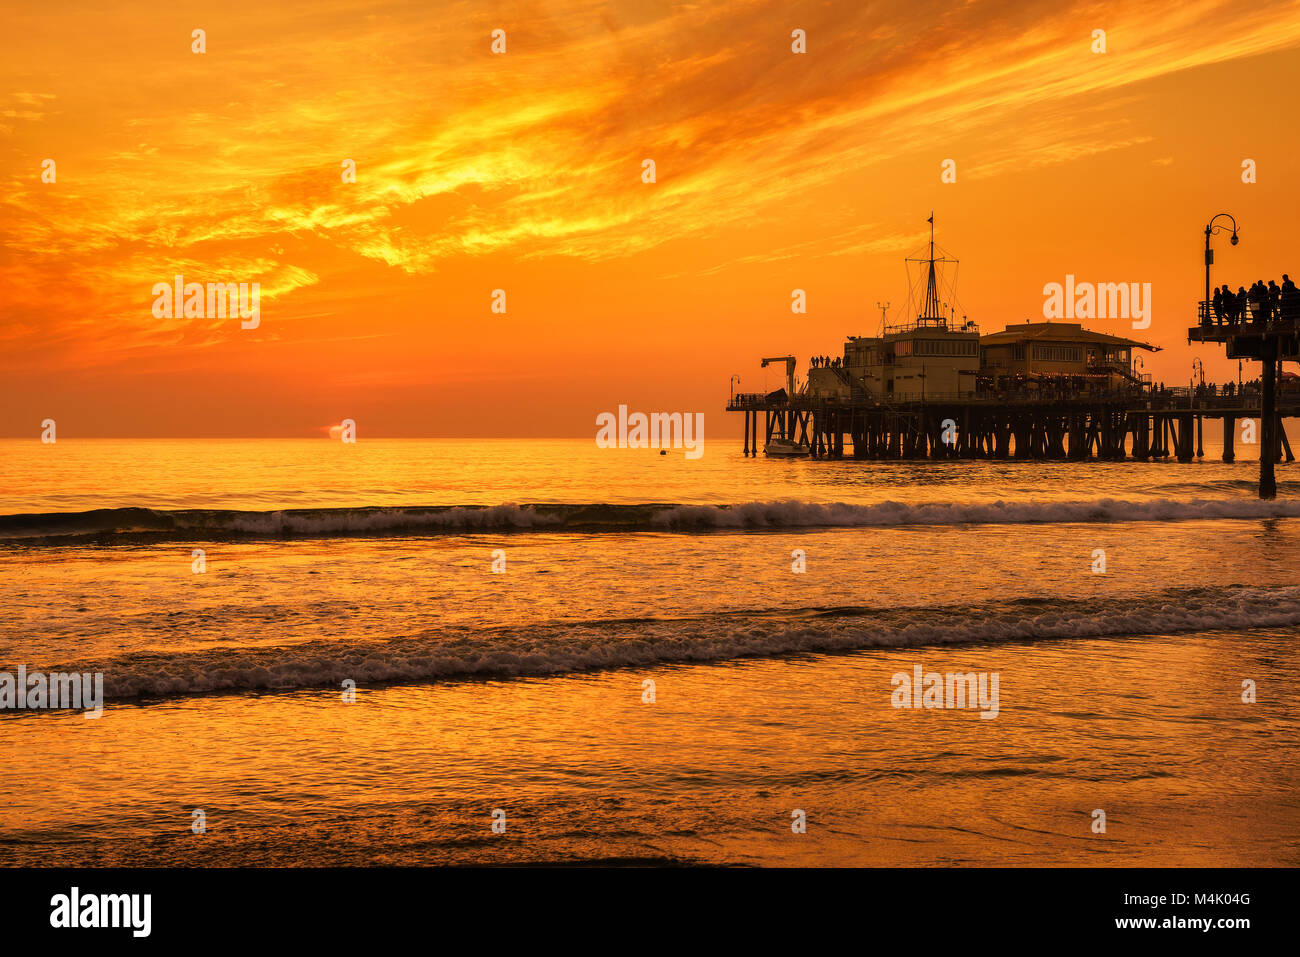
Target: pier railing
940 324
1257 316
1170 399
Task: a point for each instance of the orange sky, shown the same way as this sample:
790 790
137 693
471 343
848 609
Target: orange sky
523 172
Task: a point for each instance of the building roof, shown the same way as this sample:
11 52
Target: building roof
1059 332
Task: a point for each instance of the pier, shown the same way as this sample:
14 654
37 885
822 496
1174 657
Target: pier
936 388
1088 427
1260 325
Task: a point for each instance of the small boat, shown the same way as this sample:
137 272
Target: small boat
786 448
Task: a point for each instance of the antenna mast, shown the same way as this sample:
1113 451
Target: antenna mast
931 313
931 310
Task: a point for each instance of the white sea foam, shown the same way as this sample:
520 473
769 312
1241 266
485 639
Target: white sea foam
136 523
806 514
564 648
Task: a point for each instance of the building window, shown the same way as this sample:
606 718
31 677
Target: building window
947 347
1058 353
937 347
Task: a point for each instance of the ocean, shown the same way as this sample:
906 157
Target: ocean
540 651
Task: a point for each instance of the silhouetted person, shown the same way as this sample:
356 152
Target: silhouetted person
1241 304
1274 300
1290 300
1218 308
1255 300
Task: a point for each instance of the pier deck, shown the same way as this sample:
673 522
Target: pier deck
1095 426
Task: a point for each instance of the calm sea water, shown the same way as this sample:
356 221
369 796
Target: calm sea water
525 689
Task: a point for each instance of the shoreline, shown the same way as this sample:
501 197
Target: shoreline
706 774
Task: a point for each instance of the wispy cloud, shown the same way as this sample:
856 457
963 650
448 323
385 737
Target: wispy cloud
171 162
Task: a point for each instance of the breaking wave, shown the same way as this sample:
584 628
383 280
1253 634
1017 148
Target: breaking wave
145 524
568 647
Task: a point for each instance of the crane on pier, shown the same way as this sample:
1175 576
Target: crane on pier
789 371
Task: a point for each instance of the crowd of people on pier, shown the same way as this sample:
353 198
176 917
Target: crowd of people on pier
1228 389
1263 302
1070 387
825 362
1212 389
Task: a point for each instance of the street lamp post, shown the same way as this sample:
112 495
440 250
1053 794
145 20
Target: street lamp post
735 381
1210 228
1260 343
1199 366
